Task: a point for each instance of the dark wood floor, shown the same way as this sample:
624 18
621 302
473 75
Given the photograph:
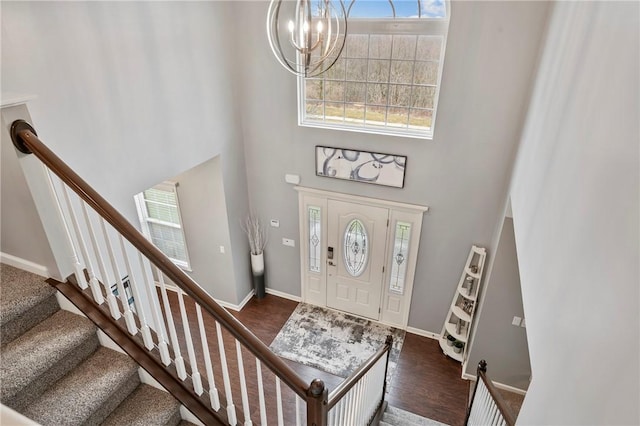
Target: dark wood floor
426 382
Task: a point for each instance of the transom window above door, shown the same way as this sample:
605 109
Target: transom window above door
387 78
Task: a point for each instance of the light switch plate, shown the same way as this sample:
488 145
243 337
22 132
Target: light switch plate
275 223
516 321
289 242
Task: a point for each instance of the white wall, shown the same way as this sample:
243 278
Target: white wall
496 340
18 212
462 174
130 93
575 198
206 228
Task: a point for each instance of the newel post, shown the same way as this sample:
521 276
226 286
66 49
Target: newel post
317 399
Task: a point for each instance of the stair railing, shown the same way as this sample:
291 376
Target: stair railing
358 399
122 273
487 406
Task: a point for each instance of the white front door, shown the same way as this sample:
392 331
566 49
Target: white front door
356 240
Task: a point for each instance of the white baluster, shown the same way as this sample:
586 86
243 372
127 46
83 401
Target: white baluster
152 296
175 343
137 301
95 287
494 413
263 408
213 391
343 410
243 386
231 409
279 402
195 375
485 405
298 419
331 420
349 404
359 401
481 404
122 293
73 253
111 299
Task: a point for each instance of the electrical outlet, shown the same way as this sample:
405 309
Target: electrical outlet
289 242
222 249
516 321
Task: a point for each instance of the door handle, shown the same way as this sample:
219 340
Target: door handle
330 262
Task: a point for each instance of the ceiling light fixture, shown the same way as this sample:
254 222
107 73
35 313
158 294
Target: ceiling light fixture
307 36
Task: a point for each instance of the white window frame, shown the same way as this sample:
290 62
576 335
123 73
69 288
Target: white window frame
143 215
438 27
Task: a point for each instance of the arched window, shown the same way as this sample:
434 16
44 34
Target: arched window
387 78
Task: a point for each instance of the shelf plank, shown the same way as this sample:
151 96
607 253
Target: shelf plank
451 329
463 293
461 314
448 350
475 275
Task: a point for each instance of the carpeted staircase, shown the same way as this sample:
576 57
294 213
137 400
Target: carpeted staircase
393 416
54 371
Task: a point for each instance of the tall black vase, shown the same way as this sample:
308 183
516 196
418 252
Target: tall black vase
258 271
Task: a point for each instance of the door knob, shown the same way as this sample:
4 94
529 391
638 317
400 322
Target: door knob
331 263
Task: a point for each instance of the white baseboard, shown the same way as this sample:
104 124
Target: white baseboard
26 265
499 385
244 301
423 333
283 295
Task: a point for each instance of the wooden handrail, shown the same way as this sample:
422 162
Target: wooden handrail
350 381
497 397
26 141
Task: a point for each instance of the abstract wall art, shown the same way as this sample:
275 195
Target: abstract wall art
361 166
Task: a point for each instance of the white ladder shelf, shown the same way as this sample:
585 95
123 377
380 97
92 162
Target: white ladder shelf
454 337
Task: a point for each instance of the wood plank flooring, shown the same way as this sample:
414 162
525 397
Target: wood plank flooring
426 382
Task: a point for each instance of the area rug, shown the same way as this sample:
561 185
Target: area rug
333 341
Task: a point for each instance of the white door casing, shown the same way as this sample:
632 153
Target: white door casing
357 235
393 298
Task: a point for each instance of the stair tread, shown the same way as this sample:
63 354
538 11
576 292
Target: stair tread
85 390
36 351
21 291
146 406
397 416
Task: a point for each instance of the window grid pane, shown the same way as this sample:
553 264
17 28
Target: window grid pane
169 240
399 259
390 82
161 217
315 238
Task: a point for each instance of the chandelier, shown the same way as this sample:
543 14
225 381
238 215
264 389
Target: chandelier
307 36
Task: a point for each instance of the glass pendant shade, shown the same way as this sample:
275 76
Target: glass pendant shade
307 36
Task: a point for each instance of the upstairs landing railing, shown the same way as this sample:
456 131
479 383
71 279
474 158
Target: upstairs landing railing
207 359
488 407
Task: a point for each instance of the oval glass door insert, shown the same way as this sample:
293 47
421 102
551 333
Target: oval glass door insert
356 247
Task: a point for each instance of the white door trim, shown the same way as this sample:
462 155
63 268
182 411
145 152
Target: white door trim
394 307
